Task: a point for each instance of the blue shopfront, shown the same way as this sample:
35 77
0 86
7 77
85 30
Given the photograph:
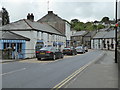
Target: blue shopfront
59 44
15 48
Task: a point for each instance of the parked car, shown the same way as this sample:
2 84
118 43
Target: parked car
86 49
49 52
69 51
80 49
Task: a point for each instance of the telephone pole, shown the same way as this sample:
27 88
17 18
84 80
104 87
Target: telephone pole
116 32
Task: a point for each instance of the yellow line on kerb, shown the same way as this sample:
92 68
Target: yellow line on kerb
72 76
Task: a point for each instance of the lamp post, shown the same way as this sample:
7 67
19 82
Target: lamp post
116 34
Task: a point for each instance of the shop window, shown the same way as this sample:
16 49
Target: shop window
6 45
19 47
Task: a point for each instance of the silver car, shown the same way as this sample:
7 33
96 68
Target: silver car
80 49
86 49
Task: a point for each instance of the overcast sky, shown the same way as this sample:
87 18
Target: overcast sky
84 11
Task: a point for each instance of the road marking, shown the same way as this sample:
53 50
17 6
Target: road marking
13 71
62 83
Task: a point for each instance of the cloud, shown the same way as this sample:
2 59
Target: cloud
84 11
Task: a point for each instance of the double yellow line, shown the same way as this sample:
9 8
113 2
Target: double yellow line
62 83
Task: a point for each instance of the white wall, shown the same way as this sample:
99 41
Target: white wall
96 46
34 36
67 30
119 10
30 45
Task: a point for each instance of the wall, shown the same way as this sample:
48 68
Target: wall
67 30
96 44
48 39
118 10
30 45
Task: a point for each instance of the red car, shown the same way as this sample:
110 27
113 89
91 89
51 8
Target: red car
69 51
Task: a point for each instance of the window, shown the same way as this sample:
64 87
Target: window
48 37
93 43
19 47
98 43
104 45
112 45
41 35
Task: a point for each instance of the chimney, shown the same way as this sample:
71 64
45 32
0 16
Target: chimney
50 12
30 17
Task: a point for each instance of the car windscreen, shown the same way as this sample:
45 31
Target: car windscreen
79 47
66 48
46 48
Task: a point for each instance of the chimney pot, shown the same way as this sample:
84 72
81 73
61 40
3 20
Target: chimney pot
50 12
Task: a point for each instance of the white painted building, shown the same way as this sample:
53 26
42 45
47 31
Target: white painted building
36 32
60 24
119 9
104 40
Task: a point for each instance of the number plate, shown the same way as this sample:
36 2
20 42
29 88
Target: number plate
42 53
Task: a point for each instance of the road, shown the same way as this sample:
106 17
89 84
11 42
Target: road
26 74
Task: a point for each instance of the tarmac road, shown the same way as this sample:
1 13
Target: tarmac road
25 74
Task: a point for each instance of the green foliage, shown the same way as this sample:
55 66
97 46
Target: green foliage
90 26
73 21
105 19
100 26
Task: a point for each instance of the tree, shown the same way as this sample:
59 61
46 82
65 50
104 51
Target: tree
105 20
74 21
5 17
100 26
79 26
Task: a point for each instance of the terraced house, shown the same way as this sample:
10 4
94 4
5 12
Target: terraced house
60 24
104 40
36 32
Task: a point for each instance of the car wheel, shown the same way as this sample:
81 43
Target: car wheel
76 53
54 57
73 53
38 58
62 56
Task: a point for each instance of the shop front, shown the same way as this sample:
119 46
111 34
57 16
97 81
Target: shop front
13 49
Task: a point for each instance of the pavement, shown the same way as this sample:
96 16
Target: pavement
101 74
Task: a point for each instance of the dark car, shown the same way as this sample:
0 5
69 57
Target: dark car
49 52
69 51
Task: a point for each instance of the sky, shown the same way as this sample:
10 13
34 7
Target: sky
84 10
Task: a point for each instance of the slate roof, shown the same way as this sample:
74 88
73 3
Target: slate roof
104 29
50 17
80 33
110 34
100 34
105 34
8 35
90 34
26 24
